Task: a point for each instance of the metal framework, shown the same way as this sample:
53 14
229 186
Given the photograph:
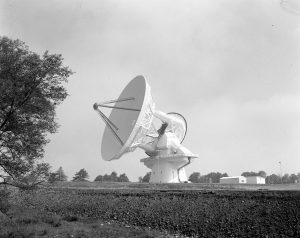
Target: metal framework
107 121
146 130
177 128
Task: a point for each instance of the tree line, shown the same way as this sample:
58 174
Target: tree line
214 177
82 175
275 178
113 177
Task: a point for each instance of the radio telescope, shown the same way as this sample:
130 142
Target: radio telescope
130 126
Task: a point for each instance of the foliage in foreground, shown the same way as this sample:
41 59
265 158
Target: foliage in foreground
28 222
203 214
31 86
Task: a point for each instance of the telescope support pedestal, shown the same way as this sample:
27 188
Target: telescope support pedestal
167 168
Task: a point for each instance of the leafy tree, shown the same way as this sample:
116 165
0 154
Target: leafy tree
99 178
285 178
214 177
123 178
31 86
38 174
262 174
113 176
225 175
81 175
59 175
293 178
249 174
146 178
195 177
52 178
106 178
273 179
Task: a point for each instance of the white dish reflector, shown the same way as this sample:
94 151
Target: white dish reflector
132 123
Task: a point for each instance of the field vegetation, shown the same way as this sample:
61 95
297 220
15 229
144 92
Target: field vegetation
154 212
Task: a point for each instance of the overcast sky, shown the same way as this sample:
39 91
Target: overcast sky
232 68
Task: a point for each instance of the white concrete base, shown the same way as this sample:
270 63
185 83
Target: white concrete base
165 168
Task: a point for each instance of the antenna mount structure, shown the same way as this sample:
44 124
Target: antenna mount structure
130 126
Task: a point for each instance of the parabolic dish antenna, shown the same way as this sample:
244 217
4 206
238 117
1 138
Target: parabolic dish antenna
130 125
123 124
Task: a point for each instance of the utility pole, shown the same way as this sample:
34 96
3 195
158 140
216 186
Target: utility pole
280 171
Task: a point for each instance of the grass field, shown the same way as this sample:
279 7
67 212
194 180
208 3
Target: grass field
177 186
157 210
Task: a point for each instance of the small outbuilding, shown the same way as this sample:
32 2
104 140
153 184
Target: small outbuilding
233 180
256 180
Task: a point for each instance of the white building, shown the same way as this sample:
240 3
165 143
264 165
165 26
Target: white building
256 180
233 180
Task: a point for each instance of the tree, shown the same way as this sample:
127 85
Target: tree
262 173
106 178
123 178
195 177
57 176
31 86
293 178
81 175
286 178
146 178
61 174
99 178
214 177
224 175
38 174
113 177
249 174
273 179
